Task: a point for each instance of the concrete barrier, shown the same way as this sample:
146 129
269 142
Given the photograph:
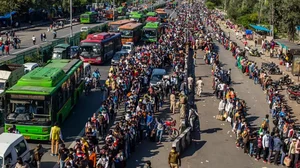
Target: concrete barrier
183 141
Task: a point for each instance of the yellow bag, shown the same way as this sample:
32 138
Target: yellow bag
225 115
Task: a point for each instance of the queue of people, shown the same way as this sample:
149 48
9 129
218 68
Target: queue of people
277 145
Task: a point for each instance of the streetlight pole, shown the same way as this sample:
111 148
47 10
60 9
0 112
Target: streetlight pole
114 10
71 21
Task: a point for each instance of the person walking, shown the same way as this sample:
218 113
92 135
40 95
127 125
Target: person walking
55 137
33 39
190 84
172 102
199 85
174 158
38 154
160 129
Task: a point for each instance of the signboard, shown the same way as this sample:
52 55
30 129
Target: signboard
296 65
27 97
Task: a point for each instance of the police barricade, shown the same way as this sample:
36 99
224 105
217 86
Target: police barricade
183 141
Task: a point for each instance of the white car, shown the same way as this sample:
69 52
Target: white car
84 29
128 47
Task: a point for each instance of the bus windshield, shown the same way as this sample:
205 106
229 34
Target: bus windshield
28 111
126 33
90 49
85 16
114 28
150 32
57 55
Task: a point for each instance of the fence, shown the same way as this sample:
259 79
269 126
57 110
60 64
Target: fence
43 52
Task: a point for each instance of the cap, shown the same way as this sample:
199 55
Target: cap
174 145
261 133
294 139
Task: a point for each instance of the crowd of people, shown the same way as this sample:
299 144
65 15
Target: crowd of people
279 144
128 87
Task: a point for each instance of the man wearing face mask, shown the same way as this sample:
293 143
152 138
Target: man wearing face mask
103 162
21 164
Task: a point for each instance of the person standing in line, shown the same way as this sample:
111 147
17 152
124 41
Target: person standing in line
173 102
174 158
271 146
266 145
292 151
297 151
190 83
199 85
63 155
277 147
55 137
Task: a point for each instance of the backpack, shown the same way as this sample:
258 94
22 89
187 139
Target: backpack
264 124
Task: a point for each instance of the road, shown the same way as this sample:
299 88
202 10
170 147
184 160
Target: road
214 143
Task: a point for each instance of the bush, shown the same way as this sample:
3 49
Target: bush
83 35
210 5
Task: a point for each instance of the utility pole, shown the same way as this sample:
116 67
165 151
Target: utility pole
272 19
71 22
114 10
11 19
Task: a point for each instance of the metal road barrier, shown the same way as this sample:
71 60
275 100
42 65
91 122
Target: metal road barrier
183 141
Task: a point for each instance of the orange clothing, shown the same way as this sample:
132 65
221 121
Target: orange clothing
93 159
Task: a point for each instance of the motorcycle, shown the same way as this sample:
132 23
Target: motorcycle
285 80
254 52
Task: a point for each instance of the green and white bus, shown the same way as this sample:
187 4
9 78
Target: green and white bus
151 32
89 17
44 96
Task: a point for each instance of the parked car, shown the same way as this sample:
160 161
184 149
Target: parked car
128 47
84 29
117 56
29 66
156 76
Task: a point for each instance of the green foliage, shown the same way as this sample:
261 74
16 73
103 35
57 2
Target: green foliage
210 5
283 14
33 58
83 35
247 19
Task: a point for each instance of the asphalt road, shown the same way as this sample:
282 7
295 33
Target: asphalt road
214 143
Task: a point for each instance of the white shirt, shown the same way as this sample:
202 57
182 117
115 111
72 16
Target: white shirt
33 38
221 86
221 105
199 83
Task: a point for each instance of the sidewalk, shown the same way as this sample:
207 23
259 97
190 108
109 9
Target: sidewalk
263 58
259 60
25 26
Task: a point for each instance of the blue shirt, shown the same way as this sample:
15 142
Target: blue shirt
277 144
149 119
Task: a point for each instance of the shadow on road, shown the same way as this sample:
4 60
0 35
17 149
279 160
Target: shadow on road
195 146
211 130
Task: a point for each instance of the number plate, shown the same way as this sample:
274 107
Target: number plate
27 137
